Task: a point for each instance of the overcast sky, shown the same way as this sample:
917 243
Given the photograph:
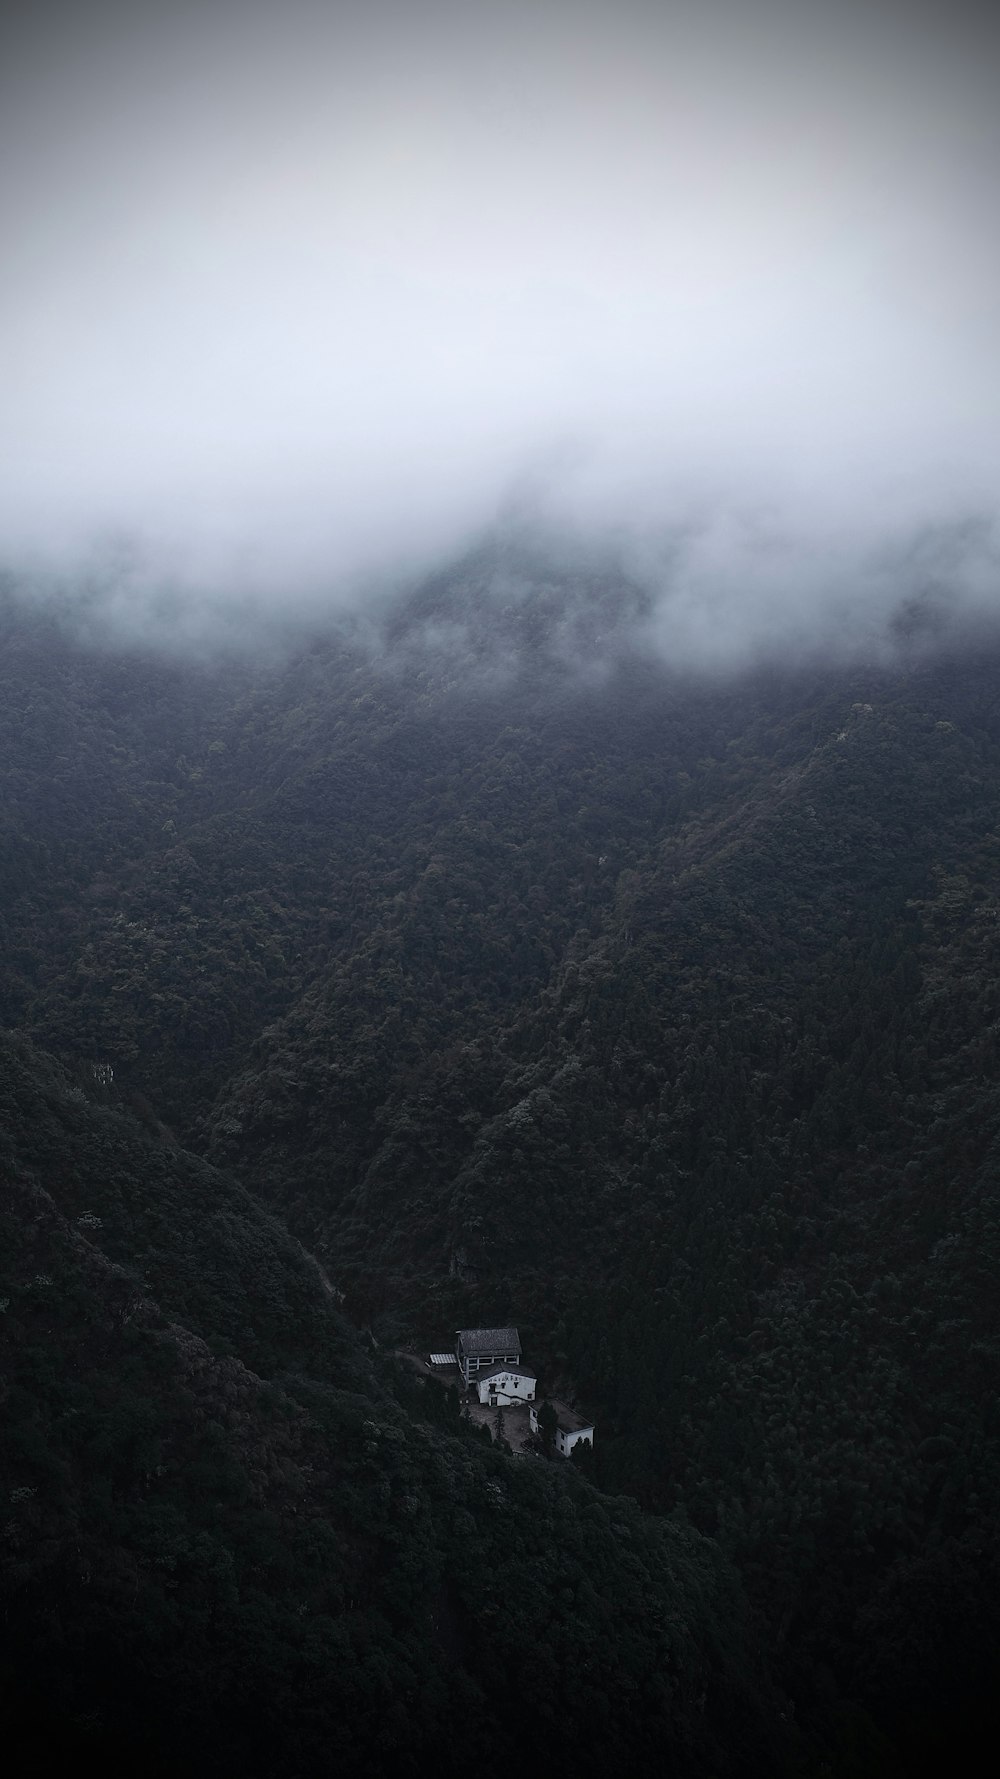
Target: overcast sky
293 294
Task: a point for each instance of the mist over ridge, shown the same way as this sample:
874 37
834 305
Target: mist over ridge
299 309
714 597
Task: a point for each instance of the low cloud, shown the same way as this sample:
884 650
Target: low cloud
301 302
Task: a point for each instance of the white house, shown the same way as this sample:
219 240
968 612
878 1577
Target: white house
571 1428
505 1384
482 1349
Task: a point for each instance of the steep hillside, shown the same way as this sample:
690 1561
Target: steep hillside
230 1547
657 1015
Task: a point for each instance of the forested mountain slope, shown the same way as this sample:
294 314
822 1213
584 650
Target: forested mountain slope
230 1547
529 978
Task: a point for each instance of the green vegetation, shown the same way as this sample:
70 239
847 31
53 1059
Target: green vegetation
658 1017
208 1569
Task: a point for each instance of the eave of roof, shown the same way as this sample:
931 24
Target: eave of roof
567 1417
490 1340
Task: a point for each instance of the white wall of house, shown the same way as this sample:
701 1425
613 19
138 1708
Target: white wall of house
505 1387
566 1441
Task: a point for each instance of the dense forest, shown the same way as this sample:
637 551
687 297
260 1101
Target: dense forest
476 964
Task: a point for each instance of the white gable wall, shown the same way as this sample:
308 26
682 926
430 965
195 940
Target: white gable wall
505 1387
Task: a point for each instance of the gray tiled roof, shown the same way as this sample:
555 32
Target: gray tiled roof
567 1417
490 1340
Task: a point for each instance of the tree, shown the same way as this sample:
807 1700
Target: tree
548 1425
582 1455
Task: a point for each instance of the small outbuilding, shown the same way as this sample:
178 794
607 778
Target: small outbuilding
571 1428
506 1384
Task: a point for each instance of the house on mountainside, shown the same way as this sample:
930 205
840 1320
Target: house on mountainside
505 1384
482 1349
571 1428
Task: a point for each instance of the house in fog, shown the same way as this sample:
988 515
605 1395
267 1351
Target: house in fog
483 1349
505 1384
571 1428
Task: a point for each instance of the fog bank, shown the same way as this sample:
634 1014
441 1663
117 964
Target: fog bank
299 302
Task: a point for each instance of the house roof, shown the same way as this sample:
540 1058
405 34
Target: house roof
567 1417
490 1340
483 1377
